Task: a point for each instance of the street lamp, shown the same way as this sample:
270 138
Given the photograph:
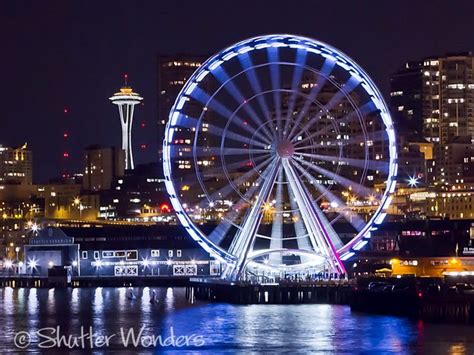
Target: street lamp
145 264
34 228
80 206
8 265
74 267
413 181
32 264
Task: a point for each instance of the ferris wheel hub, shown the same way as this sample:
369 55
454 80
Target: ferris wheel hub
285 149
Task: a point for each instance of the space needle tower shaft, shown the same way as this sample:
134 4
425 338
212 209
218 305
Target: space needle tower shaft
126 100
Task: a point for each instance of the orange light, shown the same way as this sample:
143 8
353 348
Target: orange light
165 208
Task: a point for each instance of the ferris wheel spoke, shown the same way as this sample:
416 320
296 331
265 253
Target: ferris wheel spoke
326 70
295 87
354 219
218 170
247 65
376 165
190 123
227 189
345 90
234 91
369 139
212 103
356 187
303 239
322 235
216 151
364 110
273 58
245 237
228 221
276 241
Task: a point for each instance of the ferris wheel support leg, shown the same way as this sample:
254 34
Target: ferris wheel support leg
245 238
318 234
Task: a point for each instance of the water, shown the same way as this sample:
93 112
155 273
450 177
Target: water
211 328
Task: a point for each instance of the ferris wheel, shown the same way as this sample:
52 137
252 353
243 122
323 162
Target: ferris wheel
280 155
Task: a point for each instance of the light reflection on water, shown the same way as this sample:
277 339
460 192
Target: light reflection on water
275 328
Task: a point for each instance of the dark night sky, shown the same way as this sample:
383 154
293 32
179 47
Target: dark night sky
57 54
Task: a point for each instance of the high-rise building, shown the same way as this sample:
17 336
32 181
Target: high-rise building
436 96
126 100
136 193
448 97
101 167
453 163
173 72
406 97
16 165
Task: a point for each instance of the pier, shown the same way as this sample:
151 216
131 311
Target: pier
272 293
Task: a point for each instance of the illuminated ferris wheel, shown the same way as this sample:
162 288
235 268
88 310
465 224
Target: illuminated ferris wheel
280 155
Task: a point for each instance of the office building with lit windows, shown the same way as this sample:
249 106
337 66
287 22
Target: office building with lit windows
454 163
16 165
139 195
406 97
173 72
437 96
448 97
101 166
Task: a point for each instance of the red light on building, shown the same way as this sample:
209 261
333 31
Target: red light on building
143 146
65 155
164 208
65 135
142 125
66 110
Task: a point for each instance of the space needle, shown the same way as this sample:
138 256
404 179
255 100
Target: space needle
126 100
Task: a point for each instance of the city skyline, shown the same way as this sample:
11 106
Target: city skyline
237 177
66 62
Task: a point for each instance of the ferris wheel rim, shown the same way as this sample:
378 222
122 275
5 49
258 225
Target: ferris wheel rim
377 99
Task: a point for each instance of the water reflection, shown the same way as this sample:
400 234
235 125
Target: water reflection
75 300
225 328
32 301
169 300
50 302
